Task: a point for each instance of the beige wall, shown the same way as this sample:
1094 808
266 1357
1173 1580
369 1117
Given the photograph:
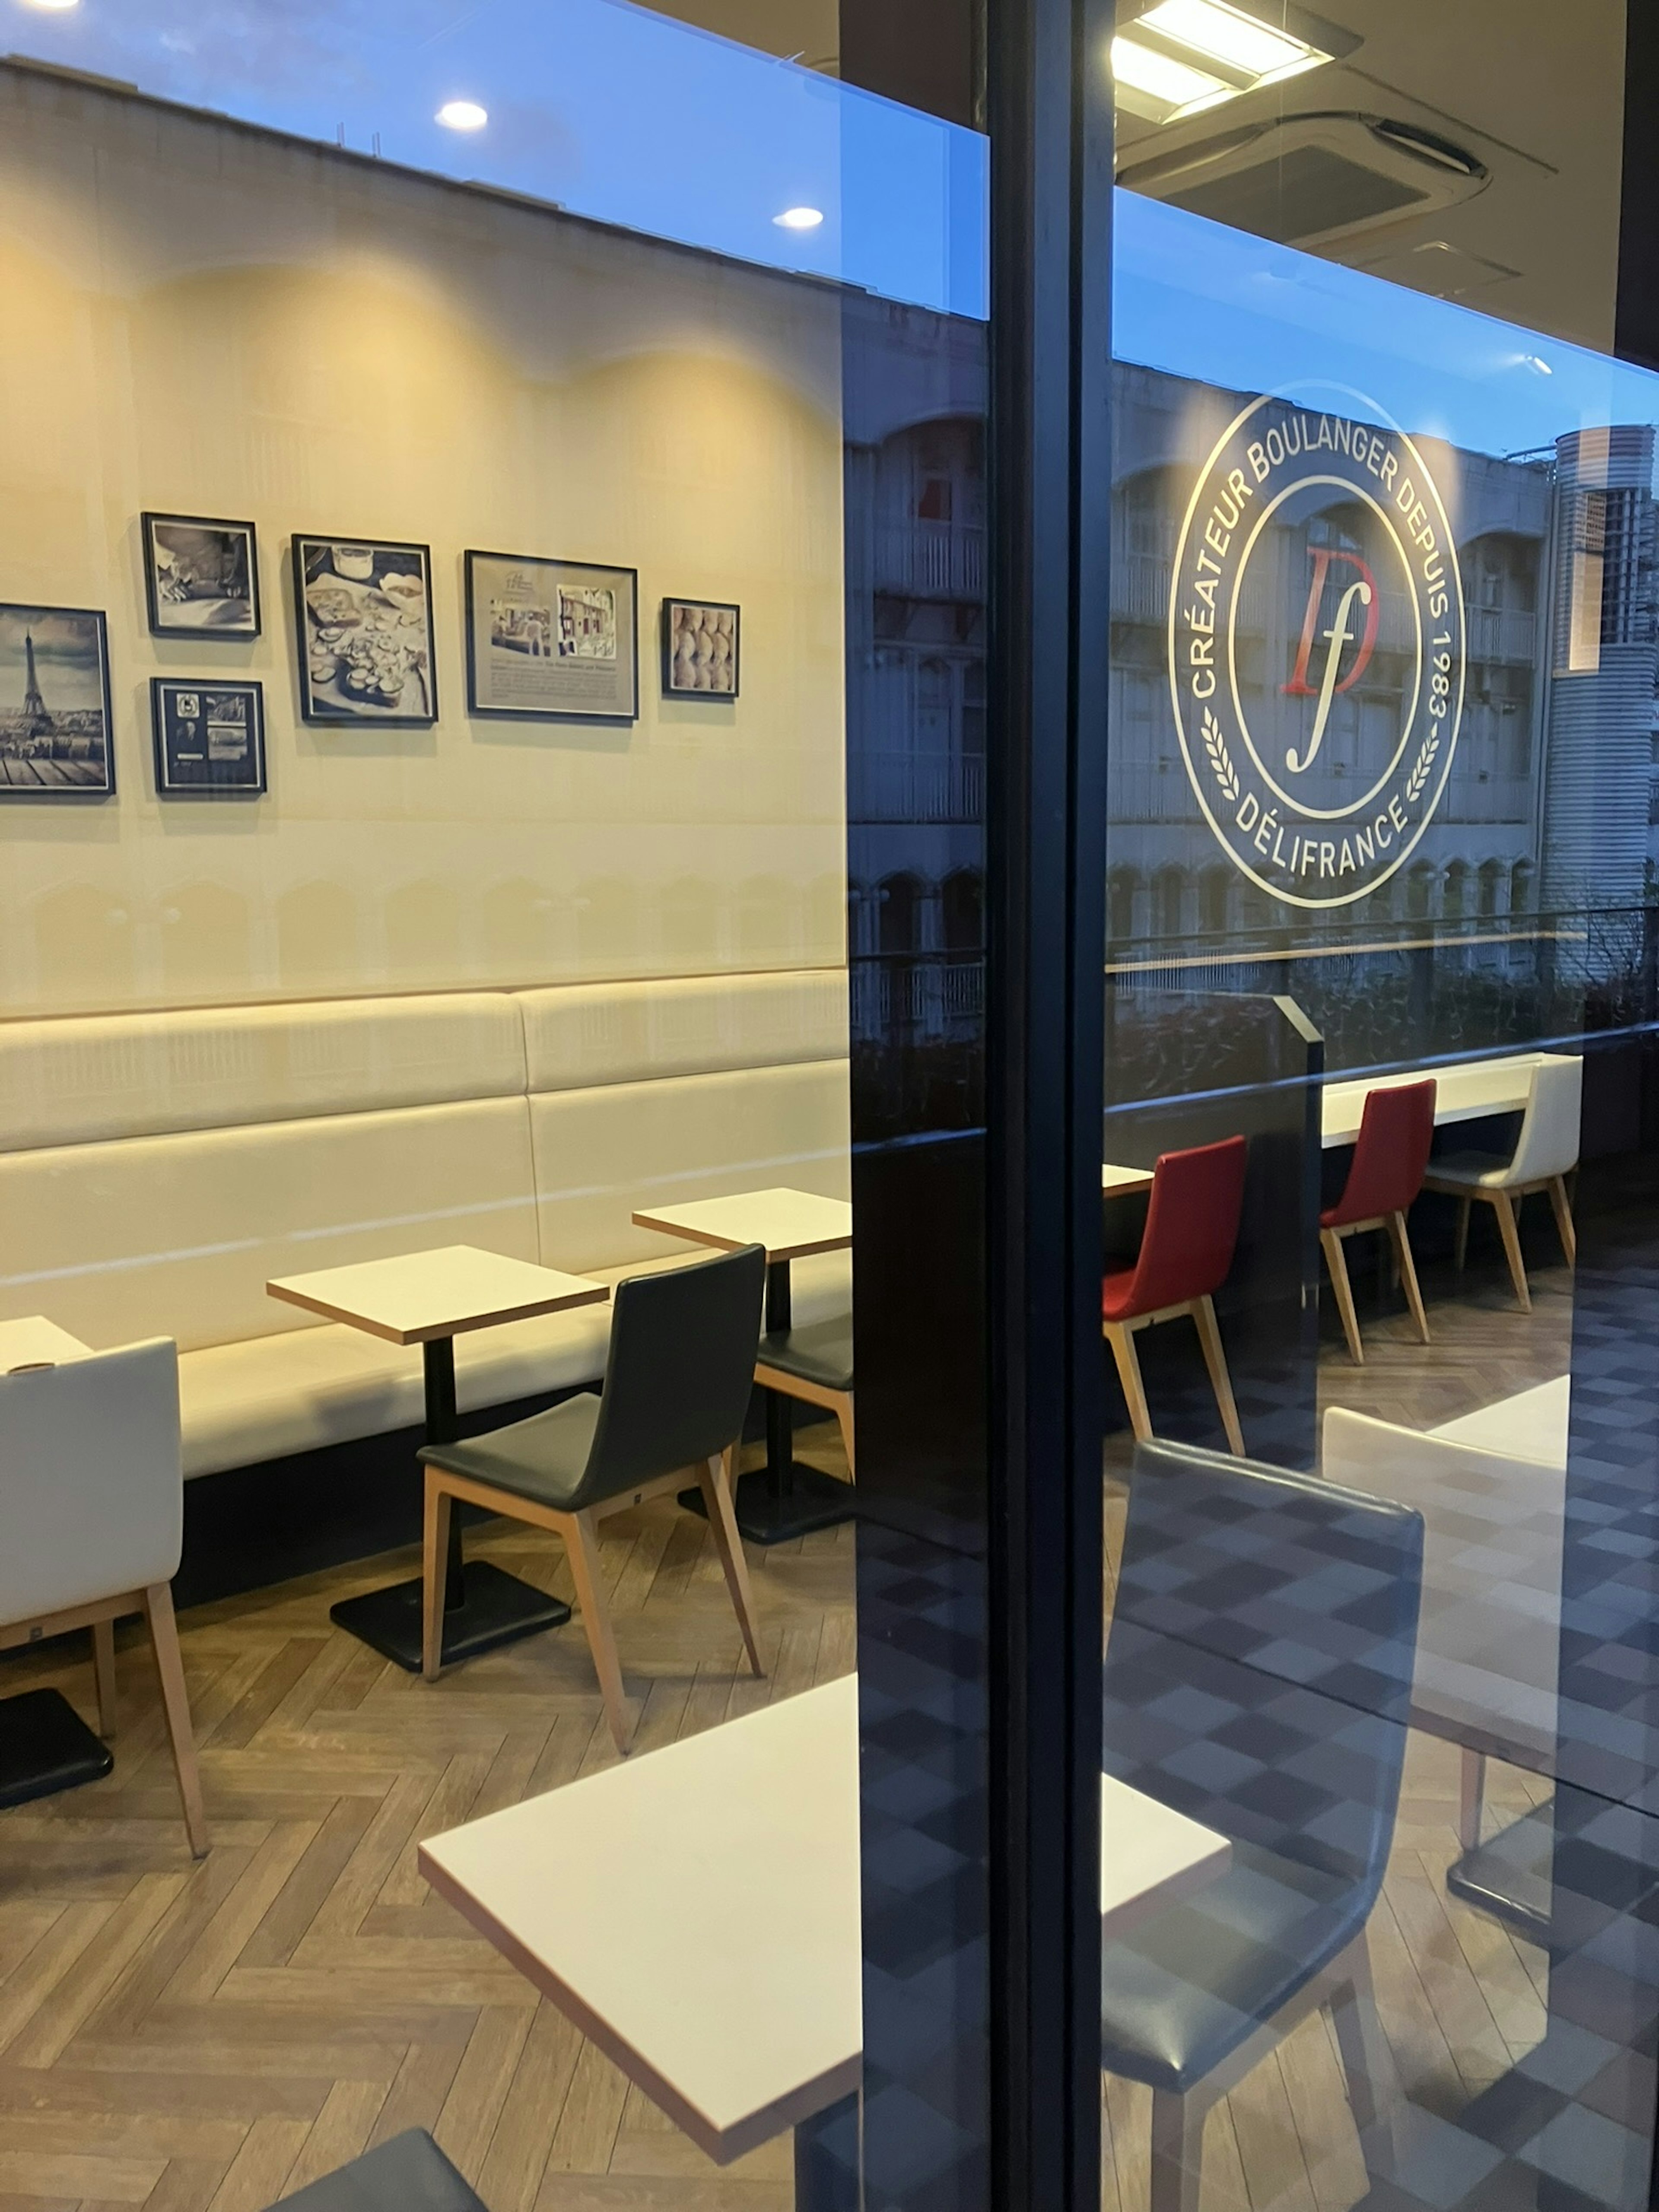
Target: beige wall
205 320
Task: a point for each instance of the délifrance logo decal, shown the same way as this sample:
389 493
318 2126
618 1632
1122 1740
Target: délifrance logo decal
1316 647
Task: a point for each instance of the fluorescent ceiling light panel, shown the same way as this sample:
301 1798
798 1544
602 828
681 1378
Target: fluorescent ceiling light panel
1159 76
1226 35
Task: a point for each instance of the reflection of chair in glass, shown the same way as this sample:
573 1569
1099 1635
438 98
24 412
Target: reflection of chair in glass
1385 1174
676 1384
1258 1677
1191 1228
92 1489
1546 1153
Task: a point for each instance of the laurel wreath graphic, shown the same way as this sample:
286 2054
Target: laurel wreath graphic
1420 766
1220 759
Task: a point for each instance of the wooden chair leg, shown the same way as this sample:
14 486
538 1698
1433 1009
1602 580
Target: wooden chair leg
435 1573
1509 1230
723 1524
1177 2147
1209 1336
1464 1207
1402 1245
103 1669
175 1703
1128 1374
1336 1261
1367 2061
844 1417
582 1542
1471 1797
1564 1220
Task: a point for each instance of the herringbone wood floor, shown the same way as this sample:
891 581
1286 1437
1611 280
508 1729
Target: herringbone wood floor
204 2039
207 2037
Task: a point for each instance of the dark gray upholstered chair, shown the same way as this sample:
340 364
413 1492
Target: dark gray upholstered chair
815 1365
676 1384
1258 1677
407 2173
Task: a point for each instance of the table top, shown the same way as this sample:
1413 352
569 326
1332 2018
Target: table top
35 1341
1532 1424
790 1224
1117 1181
421 1296
695 1912
1464 1091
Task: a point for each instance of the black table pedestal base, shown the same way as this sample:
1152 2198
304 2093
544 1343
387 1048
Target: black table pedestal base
1511 1874
497 1609
808 1501
46 1746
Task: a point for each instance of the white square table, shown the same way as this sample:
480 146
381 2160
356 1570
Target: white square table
430 1299
695 1912
790 1498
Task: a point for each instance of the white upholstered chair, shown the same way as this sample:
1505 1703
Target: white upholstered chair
91 1505
1546 1153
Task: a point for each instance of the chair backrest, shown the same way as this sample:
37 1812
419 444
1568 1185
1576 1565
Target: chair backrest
1258 1669
1549 1144
1391 1153
679 1373
1489 1643
92 1491
1192 1225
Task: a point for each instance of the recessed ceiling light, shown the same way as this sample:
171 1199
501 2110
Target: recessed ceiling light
462 115
53 7
1177 86
800 218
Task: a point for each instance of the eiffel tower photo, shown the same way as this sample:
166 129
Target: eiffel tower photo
37 720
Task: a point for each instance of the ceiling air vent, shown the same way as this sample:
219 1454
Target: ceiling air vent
1311 178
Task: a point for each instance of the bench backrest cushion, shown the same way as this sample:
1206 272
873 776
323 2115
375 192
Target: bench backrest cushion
605 1033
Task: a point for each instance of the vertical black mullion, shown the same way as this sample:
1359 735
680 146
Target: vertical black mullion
1636 320
1050 480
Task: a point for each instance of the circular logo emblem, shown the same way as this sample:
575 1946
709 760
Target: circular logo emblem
1316 648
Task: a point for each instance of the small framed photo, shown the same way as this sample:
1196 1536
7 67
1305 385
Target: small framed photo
363 614
210 736
551 639
699 648
55 722
201 578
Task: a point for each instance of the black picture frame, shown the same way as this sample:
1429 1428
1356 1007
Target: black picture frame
337 576
45 744
160 557
541 674
184 712
673 660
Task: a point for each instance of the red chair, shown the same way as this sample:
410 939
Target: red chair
1192 1226
1390 1159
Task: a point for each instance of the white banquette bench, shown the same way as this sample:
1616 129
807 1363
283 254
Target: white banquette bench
157 1168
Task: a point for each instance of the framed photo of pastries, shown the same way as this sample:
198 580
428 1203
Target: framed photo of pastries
699 648
210 736
551 639
363 623
201 577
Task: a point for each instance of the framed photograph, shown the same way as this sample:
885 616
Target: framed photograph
201 578
700 649
209 737
364 626
55 720
549 639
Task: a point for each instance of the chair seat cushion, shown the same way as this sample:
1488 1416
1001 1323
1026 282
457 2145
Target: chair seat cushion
1182 1993
1483 1170
543 1458
1115 1295
821 1352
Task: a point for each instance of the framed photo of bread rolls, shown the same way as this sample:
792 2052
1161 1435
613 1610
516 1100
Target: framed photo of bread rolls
699 648
551 641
